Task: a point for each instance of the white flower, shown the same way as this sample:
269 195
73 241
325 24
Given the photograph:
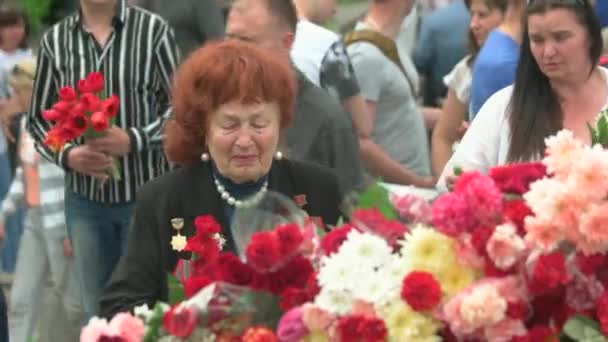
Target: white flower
335 301
338 272
144 312
366 250
483 307
374 288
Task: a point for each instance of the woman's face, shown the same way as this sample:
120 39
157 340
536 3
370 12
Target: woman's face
559 43
483 20
12 36
242 139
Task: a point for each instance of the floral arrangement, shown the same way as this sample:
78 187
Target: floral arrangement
82 112
517 255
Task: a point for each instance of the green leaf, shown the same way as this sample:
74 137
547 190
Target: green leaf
377 196
583 329
602 128
176 290
153 325
592 134
457 170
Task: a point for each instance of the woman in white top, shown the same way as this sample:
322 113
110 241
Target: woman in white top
557 85
485 16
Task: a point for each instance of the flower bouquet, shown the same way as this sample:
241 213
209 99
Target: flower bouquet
82 113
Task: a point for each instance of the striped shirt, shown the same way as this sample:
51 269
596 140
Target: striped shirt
137 63
52 191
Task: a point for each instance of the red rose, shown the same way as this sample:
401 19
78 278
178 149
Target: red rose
348 328
516 178
206 248
516 211
180 322
95 82
549 273
263 251
391 231
590 264
206 224
110 106
420 290
52 115
373 330
258 334
602 312
332 241
67 94
290 238
292 297
517 310
194 284
90 102
63 107
99 121
234 271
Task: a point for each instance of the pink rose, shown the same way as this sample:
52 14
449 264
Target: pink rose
93 331
291 326
130 328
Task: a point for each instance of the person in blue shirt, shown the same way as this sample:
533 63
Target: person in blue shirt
601 9
441 44
496 63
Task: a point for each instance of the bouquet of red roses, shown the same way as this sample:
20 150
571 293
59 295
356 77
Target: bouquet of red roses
82 112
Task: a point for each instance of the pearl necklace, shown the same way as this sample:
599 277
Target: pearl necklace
253 199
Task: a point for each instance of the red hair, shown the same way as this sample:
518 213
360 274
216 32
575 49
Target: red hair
216 74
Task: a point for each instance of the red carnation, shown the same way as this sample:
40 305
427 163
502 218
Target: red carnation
90 102
420 290
293 274
206 224
479 239
538 333
180 322
232 270
516 178
516 212
63 107
292 297
373 330
549 273
110 106
371 218
590 264
602 312
391 231
99 121
332 241
194 284
312 285
517 310
263 252
67 94
95 82
290 238
206 248
348 328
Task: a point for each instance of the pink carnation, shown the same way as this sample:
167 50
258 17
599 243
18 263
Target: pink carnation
452 215
594 224
316 319
482 195
94 330
542 233
590 173
123 327
562 148
412 208
582 292
291 326
505 247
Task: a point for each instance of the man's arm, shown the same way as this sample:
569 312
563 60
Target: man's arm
167 58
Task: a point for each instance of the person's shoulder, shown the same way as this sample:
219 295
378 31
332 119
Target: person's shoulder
145 15
317 101
166 184
319 32
497 104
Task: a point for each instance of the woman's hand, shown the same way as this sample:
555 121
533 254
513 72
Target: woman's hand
68 252
427 182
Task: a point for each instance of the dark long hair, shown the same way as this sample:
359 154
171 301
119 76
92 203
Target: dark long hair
10 16
474 47
534 110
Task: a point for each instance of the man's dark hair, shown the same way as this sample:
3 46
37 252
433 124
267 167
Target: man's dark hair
285 12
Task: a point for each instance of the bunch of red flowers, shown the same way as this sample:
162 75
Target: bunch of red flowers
80 112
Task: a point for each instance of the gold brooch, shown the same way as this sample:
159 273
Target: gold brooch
178 241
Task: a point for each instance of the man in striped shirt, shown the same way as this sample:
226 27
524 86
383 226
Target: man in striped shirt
136 52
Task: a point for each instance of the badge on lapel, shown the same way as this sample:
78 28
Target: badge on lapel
178 241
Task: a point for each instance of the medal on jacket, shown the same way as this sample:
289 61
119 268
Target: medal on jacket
178 241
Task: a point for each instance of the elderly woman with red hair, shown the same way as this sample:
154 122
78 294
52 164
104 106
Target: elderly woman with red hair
231 102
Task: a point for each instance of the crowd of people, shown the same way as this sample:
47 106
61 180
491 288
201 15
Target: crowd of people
222 101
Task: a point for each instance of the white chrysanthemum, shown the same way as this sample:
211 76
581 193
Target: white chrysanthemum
395 269
335 301
374 288
338 272
364 249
